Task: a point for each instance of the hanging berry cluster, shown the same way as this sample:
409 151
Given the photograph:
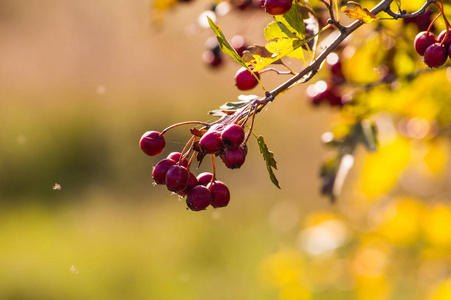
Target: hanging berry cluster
225 139
434 49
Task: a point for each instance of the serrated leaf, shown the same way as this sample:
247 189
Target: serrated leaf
359 13
293 21
269 159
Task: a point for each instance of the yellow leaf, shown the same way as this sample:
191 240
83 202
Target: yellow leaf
359 13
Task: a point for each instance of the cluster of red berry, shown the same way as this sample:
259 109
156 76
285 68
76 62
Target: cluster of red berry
228 141
434 49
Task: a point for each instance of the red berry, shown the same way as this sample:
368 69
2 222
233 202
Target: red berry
277 7
192 182
423 40
441 37
435 55
232 135
175 156
234 158
449 51
211 59
204 178
220 194
211 142
177 178
160 170
244 80
198 198
152 143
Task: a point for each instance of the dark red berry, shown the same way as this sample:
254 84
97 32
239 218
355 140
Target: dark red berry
423 21
175 156
192 182
244 80
160 170
220 194
277 7
177 178
152 143
441 37
232 136
211 142
449 51
234 158
435 55
198 198
239 44
423 40
204 178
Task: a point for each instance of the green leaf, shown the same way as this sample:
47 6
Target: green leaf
229 108
293 21
368 135
225 45
277 30
227 48
269 159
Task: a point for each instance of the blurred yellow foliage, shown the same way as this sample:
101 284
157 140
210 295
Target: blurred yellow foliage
382 168
437 156
282 268
437 226
401 221
443 291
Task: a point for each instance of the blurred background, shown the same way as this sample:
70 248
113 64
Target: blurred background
80 82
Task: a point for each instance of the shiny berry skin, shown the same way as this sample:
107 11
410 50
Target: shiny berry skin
435 55
204 178
232 136
175 156
192 182
234 158
177 178
160 170
244 80
198 198
152 143
220 194
277 7
423 40
211 142
441 37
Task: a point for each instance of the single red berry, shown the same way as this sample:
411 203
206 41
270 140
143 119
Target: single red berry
152 143
449 51
175 156
435 55
234 158
211 142
198 198
423 40
177 178
244 80
204 178
232 136
160 170
211 59
277 7
441 37
220 194
192 182
423 21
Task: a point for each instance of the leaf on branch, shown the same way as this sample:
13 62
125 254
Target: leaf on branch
269 159
229 108
292 21
359 13
227 48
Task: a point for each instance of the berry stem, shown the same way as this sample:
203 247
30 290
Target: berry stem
184 123
191 140
213 179
277 71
